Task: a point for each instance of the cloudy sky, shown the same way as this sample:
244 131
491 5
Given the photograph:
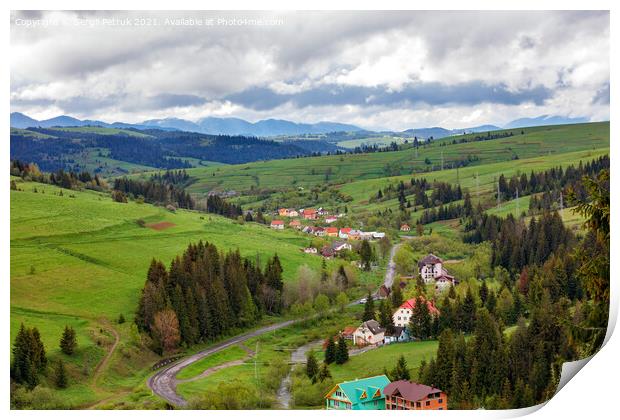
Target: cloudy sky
379 70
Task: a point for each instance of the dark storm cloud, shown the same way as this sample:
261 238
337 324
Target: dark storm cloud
471 93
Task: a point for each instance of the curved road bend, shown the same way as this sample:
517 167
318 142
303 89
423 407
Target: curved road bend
163 383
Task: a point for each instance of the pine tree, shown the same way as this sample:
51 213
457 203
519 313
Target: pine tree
28 357
342 351
400 371
369 308
365 254
60 375
324 373
483 292
121 319
420 322
467 312
68 342
330 351
445 359
312 367
385 316
396 295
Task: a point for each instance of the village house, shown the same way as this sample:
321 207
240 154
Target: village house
293 213
332 232
309 214
402 316
283 212
339 246
360 394
399 335
277 224
406 395
369 333
405 228
322 212
318 231
327 252
355 234
378 235
348 332
310 250
330 219
296 224
431 270
344 233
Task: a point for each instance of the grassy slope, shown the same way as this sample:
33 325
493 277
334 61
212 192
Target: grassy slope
538 141
82 260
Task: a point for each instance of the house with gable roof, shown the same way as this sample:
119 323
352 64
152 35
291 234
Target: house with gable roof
360 394
406 395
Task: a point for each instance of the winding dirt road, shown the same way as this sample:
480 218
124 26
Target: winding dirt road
163 383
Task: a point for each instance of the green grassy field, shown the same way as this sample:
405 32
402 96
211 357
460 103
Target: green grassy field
535 142
80 259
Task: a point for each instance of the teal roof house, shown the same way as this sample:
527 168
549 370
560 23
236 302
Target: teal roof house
361 394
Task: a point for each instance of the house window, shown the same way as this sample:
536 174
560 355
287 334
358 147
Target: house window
440 400
376 403
418 404
428 403
336 403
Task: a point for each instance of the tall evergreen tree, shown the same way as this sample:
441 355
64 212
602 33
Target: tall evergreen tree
68 341
400 371
312 367
385 316
342 351
60 375
369 308
330 351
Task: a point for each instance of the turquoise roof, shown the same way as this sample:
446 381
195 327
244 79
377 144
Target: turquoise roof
355 389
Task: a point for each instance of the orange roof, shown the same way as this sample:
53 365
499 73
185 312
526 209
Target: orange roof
348 330
277 222
331 230
410 304
309 211
295 222
345 230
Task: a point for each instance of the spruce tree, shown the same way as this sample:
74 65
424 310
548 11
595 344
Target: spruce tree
369 308
312 367
365 254
324 373
342 352
330 351
385 316
68 342
400 371
60 375
397 295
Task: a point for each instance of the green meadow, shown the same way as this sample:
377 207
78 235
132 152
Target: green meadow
80 259
307 172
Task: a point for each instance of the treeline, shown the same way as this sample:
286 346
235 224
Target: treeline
206 294
217 205
441 193
155 192
517 244
69 180
179 177
496 371
554 179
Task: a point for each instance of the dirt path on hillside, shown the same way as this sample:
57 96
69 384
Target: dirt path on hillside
103 364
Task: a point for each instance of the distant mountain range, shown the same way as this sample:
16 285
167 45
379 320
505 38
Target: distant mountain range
209 125
273 127
545 120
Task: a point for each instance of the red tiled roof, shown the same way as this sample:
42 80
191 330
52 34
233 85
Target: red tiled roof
277 222
410 304
410 391
345 230
331 230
